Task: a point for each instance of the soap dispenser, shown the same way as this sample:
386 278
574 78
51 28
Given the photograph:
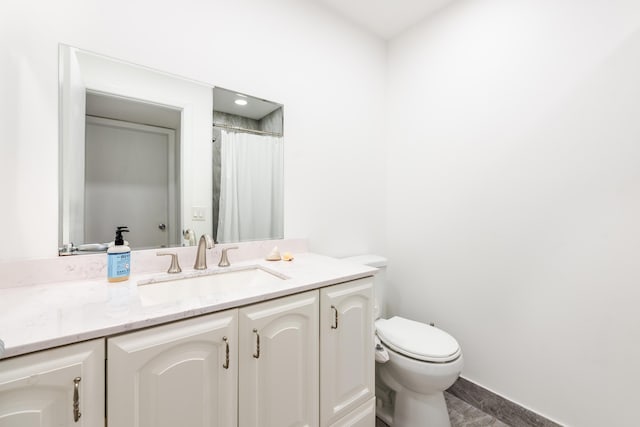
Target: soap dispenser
119 258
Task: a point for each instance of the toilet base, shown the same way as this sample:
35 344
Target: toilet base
401 406
417 410
384 414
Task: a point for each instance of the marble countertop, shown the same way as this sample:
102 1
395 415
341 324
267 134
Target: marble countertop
37 317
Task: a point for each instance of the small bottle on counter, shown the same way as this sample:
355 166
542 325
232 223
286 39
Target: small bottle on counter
119 258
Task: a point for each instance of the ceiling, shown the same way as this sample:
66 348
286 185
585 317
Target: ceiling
385 18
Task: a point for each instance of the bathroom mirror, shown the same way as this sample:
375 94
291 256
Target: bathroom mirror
136 149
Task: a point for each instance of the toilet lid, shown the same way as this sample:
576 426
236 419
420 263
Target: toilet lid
417 340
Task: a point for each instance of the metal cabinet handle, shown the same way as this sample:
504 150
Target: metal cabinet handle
335 317
257 353
226 357
76 399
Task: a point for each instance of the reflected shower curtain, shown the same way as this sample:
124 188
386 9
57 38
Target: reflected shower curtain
251 187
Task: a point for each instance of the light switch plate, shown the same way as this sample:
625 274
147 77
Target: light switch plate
197 213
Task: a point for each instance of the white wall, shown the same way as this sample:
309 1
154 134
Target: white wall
514 197
329 75
512 211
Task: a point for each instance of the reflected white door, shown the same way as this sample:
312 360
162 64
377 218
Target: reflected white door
130 180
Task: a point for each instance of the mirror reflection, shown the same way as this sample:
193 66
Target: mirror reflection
136 149
132 158
247 168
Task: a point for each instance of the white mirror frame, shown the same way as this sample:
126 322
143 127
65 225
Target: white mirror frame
81 71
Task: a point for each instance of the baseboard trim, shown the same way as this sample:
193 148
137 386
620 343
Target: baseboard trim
497 406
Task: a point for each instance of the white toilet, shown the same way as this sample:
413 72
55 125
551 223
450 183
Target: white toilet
416 362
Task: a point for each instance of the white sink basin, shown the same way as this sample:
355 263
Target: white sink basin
207 284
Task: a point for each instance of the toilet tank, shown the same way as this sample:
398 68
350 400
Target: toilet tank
379 280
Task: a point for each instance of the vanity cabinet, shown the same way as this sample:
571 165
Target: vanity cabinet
347 360
278 360
304 360
180 374
300 360
58 387
258 363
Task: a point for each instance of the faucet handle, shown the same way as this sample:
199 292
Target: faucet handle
175 266
224 260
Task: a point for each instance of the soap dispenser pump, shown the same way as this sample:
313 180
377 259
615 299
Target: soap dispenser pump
119 258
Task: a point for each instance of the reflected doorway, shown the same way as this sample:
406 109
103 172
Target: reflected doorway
131 171
127 182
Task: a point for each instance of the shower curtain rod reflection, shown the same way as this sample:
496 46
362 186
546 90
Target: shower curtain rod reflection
239 129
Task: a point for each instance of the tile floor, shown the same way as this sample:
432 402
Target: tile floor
462 414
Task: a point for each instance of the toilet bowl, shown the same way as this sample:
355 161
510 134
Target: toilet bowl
423 362
415 363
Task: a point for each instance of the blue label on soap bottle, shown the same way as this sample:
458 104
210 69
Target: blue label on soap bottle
118 265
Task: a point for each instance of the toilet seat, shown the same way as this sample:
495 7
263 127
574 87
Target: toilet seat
417 340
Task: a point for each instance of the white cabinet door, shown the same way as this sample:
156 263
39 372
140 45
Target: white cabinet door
181 374
346 348
54 387
364 416
279 362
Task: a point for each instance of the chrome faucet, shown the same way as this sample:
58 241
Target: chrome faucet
206 242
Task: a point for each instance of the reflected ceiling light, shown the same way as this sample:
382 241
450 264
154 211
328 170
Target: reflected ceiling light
241 101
